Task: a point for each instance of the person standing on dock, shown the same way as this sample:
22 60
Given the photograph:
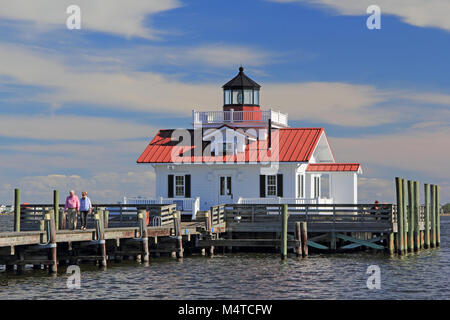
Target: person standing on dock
85 209
72 207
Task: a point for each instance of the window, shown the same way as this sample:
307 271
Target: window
255 97
227 97
248 97
300 186
225 186
227 148
316 187
272 185
179 186
237 97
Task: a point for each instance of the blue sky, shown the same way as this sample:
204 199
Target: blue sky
78 106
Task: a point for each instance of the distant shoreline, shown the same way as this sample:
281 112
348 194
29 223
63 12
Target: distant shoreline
6 213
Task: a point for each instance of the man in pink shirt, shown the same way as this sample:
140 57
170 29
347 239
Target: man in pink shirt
72 208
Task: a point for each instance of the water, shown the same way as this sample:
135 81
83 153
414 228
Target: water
248 276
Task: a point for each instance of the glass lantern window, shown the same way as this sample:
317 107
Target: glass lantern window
255 97
237 97
248 97
227 97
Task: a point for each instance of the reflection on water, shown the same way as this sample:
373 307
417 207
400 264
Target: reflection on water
248 276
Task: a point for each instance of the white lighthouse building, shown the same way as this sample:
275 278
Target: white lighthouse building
245 154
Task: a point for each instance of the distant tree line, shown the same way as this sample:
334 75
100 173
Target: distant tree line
446 208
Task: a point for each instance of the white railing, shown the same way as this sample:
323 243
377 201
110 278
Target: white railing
213 117
185 205
279 200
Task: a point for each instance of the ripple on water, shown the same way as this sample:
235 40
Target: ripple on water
248 276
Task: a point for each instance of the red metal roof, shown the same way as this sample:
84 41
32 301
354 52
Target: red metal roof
333 167
288 145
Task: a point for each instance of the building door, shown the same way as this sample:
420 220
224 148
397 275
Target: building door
225 190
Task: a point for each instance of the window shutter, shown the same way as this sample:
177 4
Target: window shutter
170 186
262 186
187 187
279 185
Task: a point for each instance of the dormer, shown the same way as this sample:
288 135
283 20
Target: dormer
227 140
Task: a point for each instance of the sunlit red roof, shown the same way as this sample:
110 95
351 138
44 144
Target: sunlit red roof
288 145
333 167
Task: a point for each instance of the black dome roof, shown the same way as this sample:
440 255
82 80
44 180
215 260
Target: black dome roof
241 81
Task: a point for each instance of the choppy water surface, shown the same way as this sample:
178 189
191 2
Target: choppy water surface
247 276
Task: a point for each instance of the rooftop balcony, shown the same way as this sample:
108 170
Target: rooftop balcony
240 118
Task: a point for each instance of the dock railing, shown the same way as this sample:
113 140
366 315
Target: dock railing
320 217
119 215
217 214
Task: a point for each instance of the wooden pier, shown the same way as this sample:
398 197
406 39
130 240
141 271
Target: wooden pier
140 232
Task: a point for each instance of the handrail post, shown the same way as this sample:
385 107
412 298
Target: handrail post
17 210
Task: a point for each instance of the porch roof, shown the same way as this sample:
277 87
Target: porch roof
334 167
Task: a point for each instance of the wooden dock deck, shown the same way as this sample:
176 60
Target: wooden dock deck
117 232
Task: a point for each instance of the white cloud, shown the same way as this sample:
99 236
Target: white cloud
330 102
429 13
125 18
71 128
105 187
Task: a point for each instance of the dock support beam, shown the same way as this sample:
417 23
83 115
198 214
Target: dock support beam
400 218
17 210
284 227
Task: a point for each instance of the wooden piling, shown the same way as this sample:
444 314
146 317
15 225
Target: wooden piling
438 217
304 231
410 210
417 240
427 215
50 217
433 216
106 219
142 218
17 210
405 215
284 229
298 237
62 219
101 237
179 238
400 218
56 208
391 243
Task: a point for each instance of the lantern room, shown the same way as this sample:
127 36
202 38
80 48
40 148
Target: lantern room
241 93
